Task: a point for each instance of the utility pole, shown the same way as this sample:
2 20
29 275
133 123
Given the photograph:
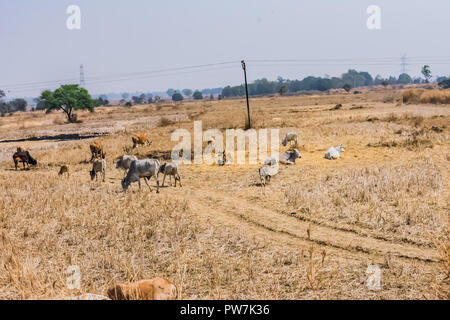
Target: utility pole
82 82
249 125
403 64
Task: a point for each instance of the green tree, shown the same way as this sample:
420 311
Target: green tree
347 87
197 95
187 92
445 84
177 96
404 78
68 98
426 71
19 105
283 90
170 92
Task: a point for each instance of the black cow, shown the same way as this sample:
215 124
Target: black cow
24 157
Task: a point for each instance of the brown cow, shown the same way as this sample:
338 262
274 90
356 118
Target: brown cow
97 150
63 169
154 289
140 139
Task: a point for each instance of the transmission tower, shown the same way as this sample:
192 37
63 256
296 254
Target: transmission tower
82 82
403 64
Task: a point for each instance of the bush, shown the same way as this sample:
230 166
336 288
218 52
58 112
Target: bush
197 95
177 97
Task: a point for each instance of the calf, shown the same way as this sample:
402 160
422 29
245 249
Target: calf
24 157
153 289
142 169
170 169
270 168
140 139
98 166
63 169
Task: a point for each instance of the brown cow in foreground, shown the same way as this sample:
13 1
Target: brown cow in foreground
154 289
140 139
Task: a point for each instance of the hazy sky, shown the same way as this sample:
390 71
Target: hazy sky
133 36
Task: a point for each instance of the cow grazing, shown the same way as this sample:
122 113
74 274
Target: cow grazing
290 137
266 172
124 162
334 152
170 169
63 170
98 166
140 139
24 157
97 150
142 169
153 289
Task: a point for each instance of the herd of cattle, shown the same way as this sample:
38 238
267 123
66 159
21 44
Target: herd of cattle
135 169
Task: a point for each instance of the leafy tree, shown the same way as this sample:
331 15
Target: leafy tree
385 83
404 78
211 97
187 92
426 71
2 94
68 98
177 96
347 87
101 101
19 105
197 95
445 84
136 100
283 90
149 98
170 92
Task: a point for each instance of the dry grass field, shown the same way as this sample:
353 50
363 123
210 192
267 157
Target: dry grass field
311 234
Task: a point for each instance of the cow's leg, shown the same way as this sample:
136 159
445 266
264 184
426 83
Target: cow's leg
157 183
104 175
164 179
179 180
139 181
148 184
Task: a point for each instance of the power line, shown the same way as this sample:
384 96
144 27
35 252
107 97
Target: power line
82 82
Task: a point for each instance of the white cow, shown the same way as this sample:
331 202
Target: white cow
142 169
334 152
